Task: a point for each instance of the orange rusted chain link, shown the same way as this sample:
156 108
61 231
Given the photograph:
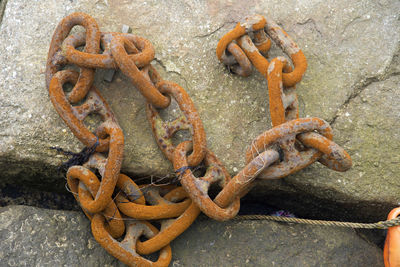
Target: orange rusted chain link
226 205
116 204
284 135
95 196
170 230
259 61
141 51
278 35
85 184
161 210
125 250
190 120
55 59
252 23
197 188
391 250
261 41
288 130
283 101
74 116
334 156
129 68
243 66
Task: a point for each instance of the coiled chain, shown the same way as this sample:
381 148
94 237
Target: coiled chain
114 203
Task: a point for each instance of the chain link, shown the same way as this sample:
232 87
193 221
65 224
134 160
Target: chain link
118 208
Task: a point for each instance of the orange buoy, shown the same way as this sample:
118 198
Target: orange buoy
391 251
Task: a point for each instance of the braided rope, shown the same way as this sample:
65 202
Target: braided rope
377 225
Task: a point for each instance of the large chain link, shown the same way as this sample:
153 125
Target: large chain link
115 204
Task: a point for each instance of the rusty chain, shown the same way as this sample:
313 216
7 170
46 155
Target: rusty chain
115 204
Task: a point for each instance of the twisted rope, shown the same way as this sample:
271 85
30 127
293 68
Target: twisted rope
377 225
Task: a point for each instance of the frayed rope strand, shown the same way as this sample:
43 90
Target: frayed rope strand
76 158
377 225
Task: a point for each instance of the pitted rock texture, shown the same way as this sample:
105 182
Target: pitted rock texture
39 237
348 45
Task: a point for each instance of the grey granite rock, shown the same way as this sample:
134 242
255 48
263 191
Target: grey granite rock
348 44
39 237
261 243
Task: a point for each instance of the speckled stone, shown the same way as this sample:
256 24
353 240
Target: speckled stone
348 45
39 237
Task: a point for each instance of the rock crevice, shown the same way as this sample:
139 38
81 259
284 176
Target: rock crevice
3 4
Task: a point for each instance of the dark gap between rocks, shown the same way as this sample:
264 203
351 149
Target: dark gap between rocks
302 206
3 4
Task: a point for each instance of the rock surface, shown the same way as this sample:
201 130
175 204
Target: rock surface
350 47
39 237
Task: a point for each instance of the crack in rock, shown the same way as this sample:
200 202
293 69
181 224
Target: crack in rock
161 63
312 23
210 33
3 4
364 83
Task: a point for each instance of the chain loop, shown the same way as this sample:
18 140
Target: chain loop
237 61
163 131
252 23
170 229
334 157
84 185
289 146
111 171
197 188
159 209
283 105
284 137
280 37
129 68
140 50
55 58
74 116
125 250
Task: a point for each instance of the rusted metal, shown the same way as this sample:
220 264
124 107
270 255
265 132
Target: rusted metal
56 60
391 250
277 34
284 137
237 61
281 38
252 23
190 120
262 42
109 74
74 116
289 146
243 181
85 185
197 187
129 68
159 207
170 229
110 175
140 49
283 103
334 156
125 250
